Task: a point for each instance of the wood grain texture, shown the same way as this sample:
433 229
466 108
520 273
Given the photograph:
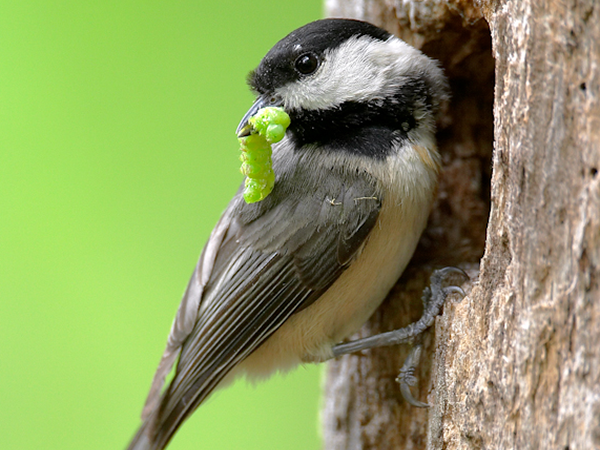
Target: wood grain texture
516 364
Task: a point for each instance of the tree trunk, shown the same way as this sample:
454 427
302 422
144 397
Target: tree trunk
515 364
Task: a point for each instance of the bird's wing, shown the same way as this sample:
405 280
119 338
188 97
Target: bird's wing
262 263
185 318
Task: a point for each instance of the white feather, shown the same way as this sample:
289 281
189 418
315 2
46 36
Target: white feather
361 69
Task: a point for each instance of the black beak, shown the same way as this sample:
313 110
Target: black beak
244 128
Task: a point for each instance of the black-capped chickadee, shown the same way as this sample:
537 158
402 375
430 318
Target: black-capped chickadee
283 280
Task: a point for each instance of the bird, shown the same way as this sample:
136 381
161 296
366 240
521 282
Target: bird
283 281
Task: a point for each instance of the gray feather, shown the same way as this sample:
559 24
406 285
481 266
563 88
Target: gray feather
263 262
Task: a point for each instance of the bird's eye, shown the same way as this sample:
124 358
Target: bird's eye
307 63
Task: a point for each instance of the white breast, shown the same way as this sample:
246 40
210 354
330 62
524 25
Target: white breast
409 184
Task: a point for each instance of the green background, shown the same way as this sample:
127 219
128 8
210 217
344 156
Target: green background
117 156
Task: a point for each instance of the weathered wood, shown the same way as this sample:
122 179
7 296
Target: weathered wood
516 364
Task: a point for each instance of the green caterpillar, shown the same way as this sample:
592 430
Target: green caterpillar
268 126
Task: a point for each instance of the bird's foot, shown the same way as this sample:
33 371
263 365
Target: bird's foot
434 297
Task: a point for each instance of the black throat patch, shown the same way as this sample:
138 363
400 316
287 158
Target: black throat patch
368 128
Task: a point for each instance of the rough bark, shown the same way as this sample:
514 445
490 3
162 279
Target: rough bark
515 364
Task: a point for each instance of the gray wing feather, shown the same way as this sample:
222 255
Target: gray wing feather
262 263
186 316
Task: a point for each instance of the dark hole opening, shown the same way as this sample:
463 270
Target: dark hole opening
456 230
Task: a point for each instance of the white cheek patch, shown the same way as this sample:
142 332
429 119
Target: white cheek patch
360 69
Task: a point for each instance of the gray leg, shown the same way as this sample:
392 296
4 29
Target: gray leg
433 300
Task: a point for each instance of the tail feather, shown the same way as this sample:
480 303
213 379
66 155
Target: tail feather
141 440
153 434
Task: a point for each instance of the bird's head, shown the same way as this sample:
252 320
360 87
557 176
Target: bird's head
347 83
